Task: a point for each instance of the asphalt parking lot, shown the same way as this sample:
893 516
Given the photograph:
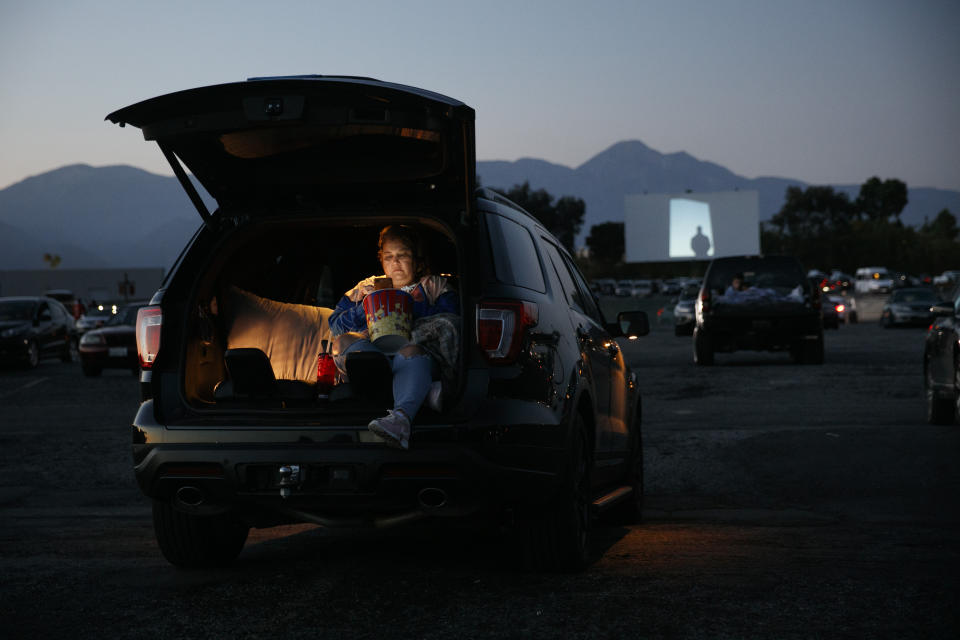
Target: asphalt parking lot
783 501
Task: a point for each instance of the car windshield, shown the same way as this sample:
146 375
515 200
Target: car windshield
914 295
125 315
17 310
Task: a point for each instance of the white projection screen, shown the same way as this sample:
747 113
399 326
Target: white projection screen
691 226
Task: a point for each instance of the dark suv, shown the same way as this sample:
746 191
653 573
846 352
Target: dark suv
540 425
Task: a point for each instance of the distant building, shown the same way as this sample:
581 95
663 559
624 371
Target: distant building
103 285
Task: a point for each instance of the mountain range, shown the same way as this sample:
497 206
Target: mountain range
124 217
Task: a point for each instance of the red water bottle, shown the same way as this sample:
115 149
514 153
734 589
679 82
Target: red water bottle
326 373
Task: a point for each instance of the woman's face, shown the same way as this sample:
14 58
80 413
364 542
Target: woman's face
398 262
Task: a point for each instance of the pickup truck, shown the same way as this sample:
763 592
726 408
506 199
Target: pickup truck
761 303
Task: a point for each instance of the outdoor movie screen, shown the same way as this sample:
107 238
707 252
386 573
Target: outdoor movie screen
691 226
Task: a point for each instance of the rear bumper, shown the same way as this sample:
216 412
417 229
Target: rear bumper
103 357
761 333
344 473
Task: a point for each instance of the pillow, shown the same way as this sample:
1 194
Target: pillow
290 334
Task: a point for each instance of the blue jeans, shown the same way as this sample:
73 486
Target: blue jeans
412 376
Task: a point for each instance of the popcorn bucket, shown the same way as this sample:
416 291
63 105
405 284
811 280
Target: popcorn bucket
389 316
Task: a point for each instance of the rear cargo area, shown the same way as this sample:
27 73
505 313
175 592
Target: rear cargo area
260 315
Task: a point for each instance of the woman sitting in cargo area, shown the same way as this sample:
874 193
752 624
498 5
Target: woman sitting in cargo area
400 252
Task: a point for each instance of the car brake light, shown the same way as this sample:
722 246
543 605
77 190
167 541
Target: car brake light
840 308
705 301
149 320
500 327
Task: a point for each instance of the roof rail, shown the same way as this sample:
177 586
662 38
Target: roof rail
309 76
489 194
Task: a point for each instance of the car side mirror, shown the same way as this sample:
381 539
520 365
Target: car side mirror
632 324
45 316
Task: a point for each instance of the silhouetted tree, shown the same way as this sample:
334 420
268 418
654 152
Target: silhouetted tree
563 218
881 200
807 218
606 243
943 226
826 230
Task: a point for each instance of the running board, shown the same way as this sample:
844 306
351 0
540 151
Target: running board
606 501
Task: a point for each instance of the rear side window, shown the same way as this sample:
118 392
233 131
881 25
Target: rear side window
570 290
778 273
515 258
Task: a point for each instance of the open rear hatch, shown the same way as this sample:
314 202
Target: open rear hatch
325 141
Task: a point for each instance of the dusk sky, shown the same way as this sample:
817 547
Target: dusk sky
820 91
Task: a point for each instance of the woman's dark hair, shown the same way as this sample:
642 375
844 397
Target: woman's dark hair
408 237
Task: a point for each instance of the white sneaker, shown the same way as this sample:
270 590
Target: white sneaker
435 396
394 428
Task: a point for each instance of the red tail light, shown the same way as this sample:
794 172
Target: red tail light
840 308
500 327
705 301
149 320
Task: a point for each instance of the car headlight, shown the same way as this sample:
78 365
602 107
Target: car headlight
12 331
92 338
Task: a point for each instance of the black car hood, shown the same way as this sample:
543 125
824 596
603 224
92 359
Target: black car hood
315 140
119 329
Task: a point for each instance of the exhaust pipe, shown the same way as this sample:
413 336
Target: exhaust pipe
432 498
189 496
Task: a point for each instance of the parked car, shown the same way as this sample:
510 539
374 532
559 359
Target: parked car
941 364
605 286
671 286
683 311
113 345
840 281
831 315
873 280
540 423
947 279
624 288
844 308
910 306
643 288
63 296
35 327
94 318
777 309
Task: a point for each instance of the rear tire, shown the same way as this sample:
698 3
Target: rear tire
69 351
193 541
556 537
702 348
